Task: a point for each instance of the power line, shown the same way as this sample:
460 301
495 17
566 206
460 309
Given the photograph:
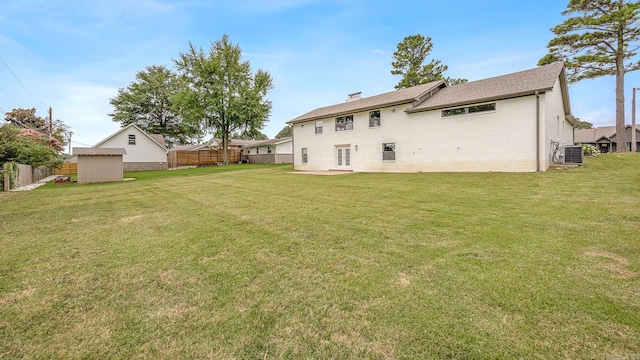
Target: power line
14 100
20 82
75 142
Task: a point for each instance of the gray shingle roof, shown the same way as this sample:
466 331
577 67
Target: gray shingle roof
500 87
436 95
159 138
99 151
270 142
402 96
593 135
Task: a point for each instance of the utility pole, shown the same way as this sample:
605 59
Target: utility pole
70 133
51 123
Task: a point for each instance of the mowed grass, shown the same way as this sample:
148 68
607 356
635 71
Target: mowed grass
249 261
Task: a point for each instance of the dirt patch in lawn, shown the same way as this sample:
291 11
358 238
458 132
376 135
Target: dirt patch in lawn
618 266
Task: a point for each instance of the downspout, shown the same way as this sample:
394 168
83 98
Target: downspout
293 150
537 131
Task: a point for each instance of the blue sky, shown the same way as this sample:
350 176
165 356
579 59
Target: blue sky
74 55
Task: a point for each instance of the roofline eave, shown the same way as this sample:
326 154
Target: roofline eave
379 106
479 100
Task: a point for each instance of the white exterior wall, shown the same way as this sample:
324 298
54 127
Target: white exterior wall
145 149
556 127
500 140
285 148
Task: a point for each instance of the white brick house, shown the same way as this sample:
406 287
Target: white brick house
143 151
272 151
508 123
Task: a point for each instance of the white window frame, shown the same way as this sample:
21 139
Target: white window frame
348 122
319 128
469 110
305 155
376 123
387 154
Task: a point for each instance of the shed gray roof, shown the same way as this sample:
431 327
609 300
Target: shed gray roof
521 83
99 151
401 96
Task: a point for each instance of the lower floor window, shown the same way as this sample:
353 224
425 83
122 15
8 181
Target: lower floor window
388 151
304 155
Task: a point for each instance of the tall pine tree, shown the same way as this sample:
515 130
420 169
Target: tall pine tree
600 37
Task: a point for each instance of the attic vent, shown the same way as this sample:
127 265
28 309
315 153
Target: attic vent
354 96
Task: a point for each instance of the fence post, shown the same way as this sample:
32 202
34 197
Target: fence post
7 181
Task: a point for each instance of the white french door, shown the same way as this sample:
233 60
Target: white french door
343 157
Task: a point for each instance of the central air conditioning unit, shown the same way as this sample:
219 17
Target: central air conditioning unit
571 154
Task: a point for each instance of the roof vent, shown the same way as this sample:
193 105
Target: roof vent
354 96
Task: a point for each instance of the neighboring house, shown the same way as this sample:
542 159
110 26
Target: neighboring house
143 151
273 151
604 138
99 164
508 123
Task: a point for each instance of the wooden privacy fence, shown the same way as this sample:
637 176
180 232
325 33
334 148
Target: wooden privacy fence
26 175
67 169
180 158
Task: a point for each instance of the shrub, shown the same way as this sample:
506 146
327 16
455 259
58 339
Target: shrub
30 147
590 150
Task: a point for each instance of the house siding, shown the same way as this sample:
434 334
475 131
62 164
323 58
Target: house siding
556 127
146 154
280 153
500 140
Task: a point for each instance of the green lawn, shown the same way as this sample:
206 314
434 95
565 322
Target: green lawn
249 261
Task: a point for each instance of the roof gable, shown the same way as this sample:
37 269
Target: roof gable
521 83
155 141
397 97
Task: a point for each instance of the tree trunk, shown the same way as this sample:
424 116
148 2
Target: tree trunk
621 136
225 146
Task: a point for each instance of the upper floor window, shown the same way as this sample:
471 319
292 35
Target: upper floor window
132 139
374 118
344 123
469 109
319 127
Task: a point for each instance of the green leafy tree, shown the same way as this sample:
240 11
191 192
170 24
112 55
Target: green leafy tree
599 37
408 61
148 103
221 92
584 124
285 132
27 119
28 146
255 135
